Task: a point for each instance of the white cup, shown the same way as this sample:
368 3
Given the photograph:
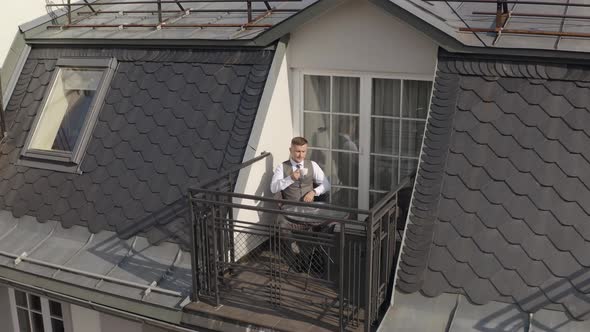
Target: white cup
303 171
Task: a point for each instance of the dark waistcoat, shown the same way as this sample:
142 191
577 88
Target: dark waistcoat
298 189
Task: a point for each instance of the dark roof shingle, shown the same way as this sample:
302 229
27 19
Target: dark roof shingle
171 119
504 213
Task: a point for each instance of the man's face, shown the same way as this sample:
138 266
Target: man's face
298 152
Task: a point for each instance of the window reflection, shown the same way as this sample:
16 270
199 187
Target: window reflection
64 114
316 93
331 122
396 134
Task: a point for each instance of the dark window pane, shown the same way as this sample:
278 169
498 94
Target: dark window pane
23 320
322 158
383 173
345 169
385 136
37 321
57 325
21 298
412 132
65 113
375 197
34 302
385 97
316 93
407 166
317 129
344 197
55 308
345 133
346 95
416 99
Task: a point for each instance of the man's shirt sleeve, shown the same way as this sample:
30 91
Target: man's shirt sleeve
278 182
320 179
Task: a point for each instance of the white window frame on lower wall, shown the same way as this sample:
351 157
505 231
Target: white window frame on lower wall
45 311
365 117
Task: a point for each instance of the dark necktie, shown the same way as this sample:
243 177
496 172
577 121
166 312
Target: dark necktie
299 169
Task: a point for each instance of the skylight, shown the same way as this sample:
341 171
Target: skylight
62 128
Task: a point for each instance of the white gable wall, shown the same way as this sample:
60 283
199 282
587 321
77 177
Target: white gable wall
355 37
5 311
359 36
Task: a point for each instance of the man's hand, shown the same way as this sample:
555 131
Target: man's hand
296 175
309 196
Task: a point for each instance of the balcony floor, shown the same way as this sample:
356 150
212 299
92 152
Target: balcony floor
246 300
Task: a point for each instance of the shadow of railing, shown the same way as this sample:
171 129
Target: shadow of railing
495 321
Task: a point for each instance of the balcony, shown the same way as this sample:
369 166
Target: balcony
264 263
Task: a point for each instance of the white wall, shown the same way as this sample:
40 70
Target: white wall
358 36
354 37
85 320
15 14
272 132
5 313
115 324
88 320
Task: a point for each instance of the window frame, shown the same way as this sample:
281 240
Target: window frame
365 116
64 160
45 311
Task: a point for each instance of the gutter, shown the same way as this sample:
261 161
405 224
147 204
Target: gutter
144 287
159 43
95 306
109 303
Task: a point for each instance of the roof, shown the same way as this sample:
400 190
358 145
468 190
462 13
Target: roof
198 22
443 21
101 262
502 198
170 119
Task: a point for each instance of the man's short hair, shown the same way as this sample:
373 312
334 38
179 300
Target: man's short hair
298 141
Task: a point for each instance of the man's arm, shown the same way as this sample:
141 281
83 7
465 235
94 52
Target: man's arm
279 183
320 179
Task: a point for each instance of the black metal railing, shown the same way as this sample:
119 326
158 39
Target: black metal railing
336 265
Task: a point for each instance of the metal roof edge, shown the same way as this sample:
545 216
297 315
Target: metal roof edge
289 25
522 55
263 39
451 44
12 67
47 17
438 33
93 299
143 42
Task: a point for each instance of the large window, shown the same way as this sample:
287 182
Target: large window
331 123
365 132
398 113
63 125
33 313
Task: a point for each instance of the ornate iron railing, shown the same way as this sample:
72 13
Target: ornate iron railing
337 264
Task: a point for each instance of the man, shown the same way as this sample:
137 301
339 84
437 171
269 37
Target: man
296 177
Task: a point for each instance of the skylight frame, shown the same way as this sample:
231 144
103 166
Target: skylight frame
69 161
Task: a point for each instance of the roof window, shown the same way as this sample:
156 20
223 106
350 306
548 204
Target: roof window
63 127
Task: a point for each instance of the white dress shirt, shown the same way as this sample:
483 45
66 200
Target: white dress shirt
279 182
